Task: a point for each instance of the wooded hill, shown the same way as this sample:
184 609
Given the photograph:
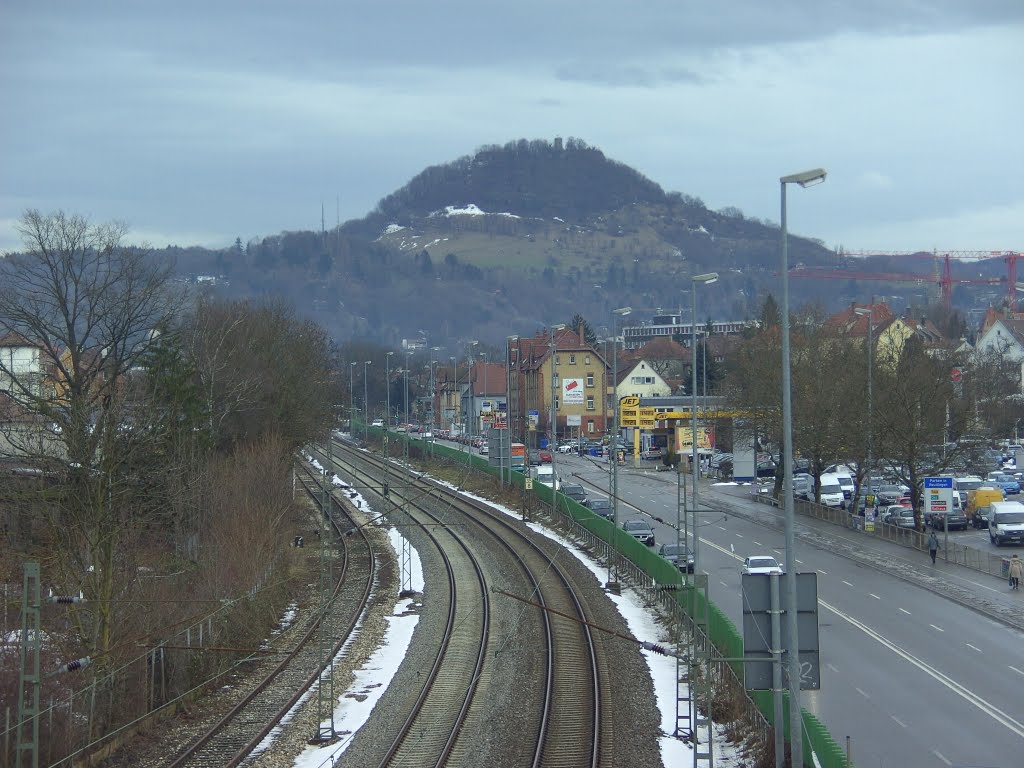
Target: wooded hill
507 240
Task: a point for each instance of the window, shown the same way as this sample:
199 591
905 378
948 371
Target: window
556 359
590 403
572 359
586 360
557 404
590 426
590 379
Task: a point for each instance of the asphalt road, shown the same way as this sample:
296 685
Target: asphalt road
913 677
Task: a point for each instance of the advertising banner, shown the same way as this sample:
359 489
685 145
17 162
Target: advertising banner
572 391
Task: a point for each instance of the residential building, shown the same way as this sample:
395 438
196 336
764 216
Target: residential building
673 326
640 379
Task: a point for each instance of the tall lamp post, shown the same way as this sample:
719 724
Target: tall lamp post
553 439
705 279
804 179
871 410
351 395
613 448
506 457
387 384
366 404
469 409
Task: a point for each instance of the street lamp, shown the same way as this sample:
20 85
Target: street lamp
613 449
553 438
509 340
804 179
387 384
871 413
705 279
351 396
366 404
468 410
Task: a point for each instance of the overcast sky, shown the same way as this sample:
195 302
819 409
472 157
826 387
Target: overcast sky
199 122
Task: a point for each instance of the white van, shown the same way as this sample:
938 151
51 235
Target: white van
1006 522
831 491
545 473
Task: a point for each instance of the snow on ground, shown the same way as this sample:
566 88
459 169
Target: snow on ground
356 704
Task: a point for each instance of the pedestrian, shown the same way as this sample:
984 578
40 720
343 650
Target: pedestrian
933 546
1016 571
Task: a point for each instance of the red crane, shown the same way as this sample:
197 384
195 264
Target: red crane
944 278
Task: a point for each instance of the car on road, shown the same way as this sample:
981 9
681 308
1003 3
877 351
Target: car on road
679 555
640 530
533 456
570 447
1006 481
377 423
1006 523
600 506
545 456
762 564
576 492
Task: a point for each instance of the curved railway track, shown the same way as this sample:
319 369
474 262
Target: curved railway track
239 732
561 721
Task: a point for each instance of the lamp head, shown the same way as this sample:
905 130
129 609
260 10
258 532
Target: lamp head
707 277
805 178
622 311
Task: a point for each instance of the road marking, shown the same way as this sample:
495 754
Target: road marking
898 721
858 690
823 573
973 647
758 543
1016 670
831 666
847 583
940 756
940 629
972 698
720 528
874 595
739 535
798 562
906 611
723 584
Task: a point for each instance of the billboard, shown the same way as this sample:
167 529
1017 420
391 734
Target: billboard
938 495
572 391
705 439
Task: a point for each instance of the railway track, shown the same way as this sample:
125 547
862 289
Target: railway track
558 666
233 738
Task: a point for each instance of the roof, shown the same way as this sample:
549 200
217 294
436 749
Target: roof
850 323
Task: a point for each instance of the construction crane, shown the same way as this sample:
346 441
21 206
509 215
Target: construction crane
942 275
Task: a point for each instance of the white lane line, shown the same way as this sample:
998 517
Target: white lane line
726 585
823 573
1019 672
940 756
906 611
831 666
858 690
963 692
847 583
798 562
739 535
898 721
719 527
973 647
758 543
940 629
874 595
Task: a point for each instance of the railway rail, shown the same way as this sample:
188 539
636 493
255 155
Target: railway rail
235 735
560 699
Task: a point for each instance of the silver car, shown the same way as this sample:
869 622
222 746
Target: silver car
679 555
640 530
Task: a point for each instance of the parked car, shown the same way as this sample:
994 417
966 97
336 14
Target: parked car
762 564
571 447
1006 523
899 516
1006 481
655 452
889 494
679 555
640 530
957 520
600 506
979 502
576 492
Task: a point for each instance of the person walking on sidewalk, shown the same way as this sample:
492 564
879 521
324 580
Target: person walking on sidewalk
933 546
1016 571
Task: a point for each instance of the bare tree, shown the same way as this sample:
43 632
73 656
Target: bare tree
93 309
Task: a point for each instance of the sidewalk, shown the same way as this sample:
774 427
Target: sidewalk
986 594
